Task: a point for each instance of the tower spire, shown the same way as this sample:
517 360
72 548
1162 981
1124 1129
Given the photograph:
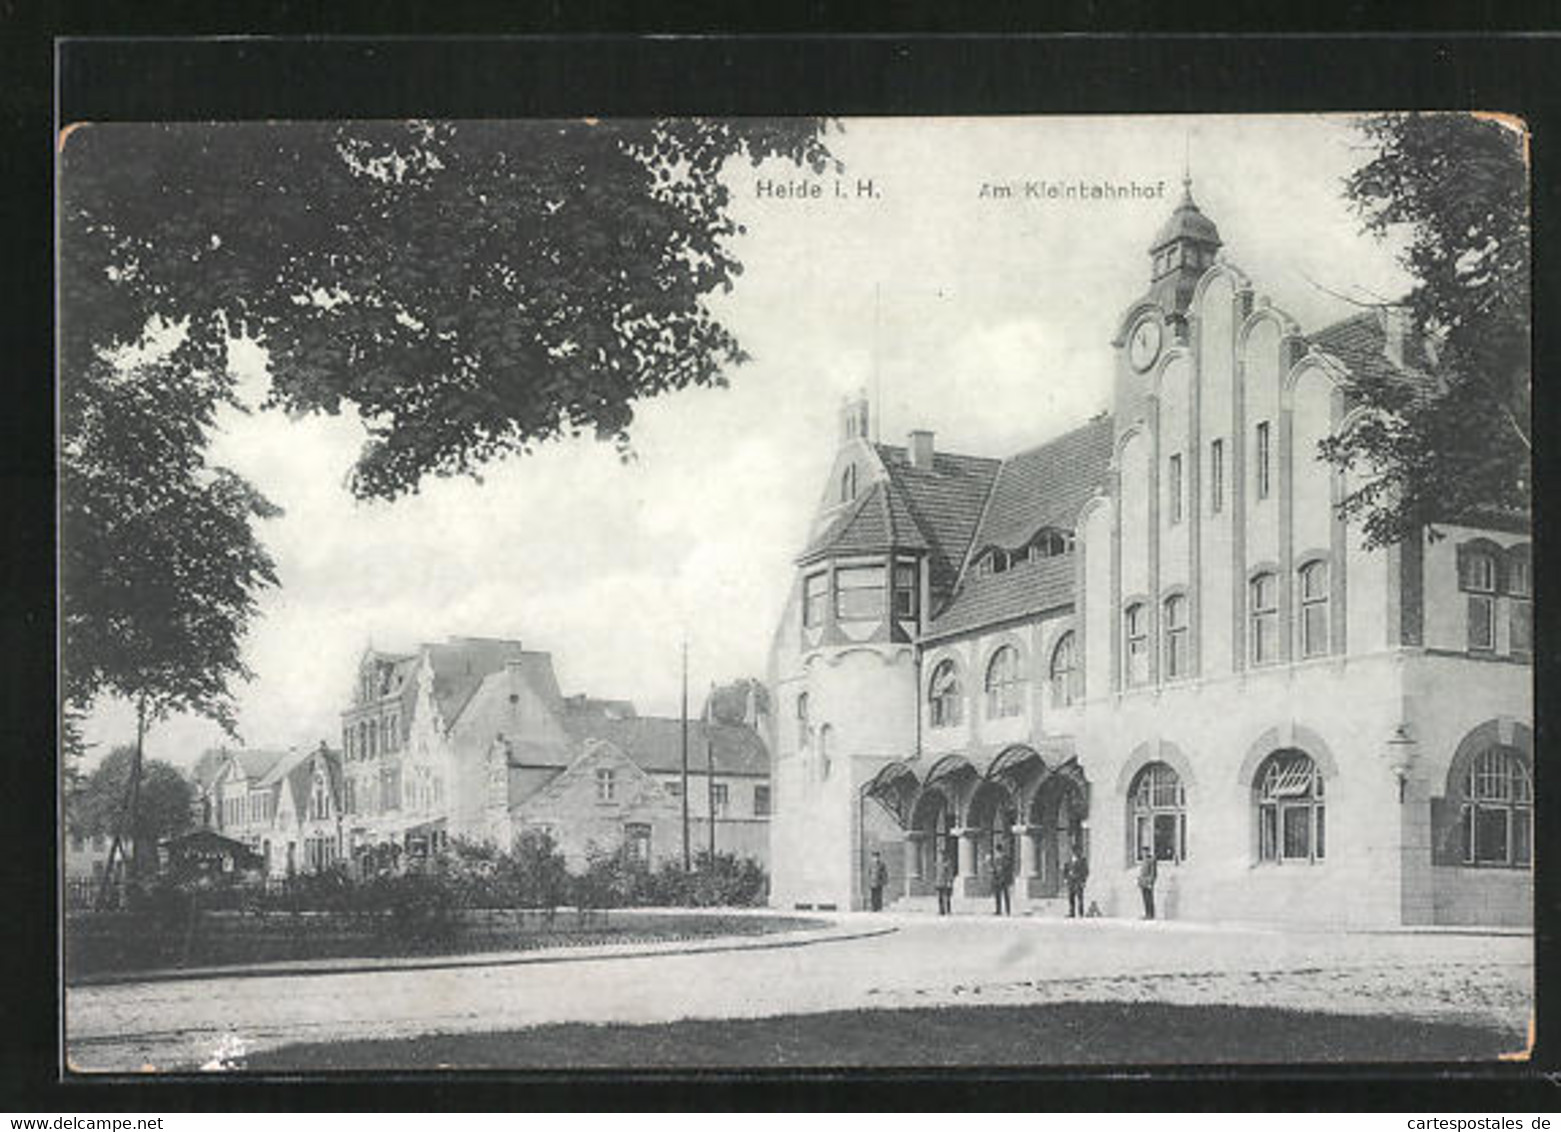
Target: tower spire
1187 163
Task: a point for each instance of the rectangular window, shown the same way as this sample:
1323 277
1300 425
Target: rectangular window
907 591
814 594
1522 626
1174 487
761 801
718 799
1136 628
606 785
1482 622
1262 464
1264 616
1297 828
1217 476
636 836
859 593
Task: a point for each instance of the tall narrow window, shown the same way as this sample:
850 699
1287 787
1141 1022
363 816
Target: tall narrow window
1313 586
815 593
1064 671
761 801
943 695
1135 631
606 784
848 484
859 593
1174 487
636 838
1290 808
1498 812
1477 574
1263 462
1217 476
1263 619
719 797
1159 814
1176 665
1520 592
1004 684
804 731
907 591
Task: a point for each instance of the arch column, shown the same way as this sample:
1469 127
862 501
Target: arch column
914 841
967 851
1027 840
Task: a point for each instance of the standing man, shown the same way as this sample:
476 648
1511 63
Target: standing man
877 877
1148 872
1002 878
1074 874
945 882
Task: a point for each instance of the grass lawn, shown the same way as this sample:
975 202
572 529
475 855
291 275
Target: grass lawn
1080 1033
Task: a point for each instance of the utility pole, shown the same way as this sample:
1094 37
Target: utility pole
710 771
688 862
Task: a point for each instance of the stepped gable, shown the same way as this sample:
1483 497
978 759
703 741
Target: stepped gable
1042 487
943 503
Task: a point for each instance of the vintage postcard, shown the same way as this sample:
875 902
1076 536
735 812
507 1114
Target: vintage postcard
689 593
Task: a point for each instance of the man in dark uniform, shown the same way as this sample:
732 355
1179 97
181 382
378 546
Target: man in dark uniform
1074 874
1148 873
877 877
1002 879
945 883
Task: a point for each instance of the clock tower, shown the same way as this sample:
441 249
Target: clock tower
1181 252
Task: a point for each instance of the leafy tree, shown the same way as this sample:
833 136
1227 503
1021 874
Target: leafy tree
98 808
730 703
1456 448
470 289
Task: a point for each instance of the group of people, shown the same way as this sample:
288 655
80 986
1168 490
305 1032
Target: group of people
1075 874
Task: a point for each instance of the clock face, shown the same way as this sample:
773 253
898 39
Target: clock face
1145 345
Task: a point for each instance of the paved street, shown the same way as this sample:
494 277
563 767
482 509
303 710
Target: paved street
925 962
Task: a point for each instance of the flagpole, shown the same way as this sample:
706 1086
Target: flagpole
687 859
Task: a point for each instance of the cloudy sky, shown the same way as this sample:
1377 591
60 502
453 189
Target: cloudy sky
986 320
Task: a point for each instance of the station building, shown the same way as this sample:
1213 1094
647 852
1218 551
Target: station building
1155 635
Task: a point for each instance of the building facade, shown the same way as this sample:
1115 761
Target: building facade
286 806
1154 635
473 739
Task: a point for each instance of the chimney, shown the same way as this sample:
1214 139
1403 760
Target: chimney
920 449
1395 329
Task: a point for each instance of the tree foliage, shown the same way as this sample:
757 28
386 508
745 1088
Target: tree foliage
469 289
98 807
1457 447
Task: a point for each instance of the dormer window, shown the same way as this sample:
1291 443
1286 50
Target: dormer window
1049 544
848 484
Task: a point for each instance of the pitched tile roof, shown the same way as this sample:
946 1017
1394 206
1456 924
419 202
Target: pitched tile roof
878 520
944 502
1040 487
256 764
1023 590
1359 342
1046 486
655 743
461 665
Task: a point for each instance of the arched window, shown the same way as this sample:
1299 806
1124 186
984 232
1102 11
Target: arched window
1135 657
363 740
943 695
1004 683
1290 816
1064 671
804 731
1159 814
1312 585
848 484
1263 619
1176 658
1498 811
